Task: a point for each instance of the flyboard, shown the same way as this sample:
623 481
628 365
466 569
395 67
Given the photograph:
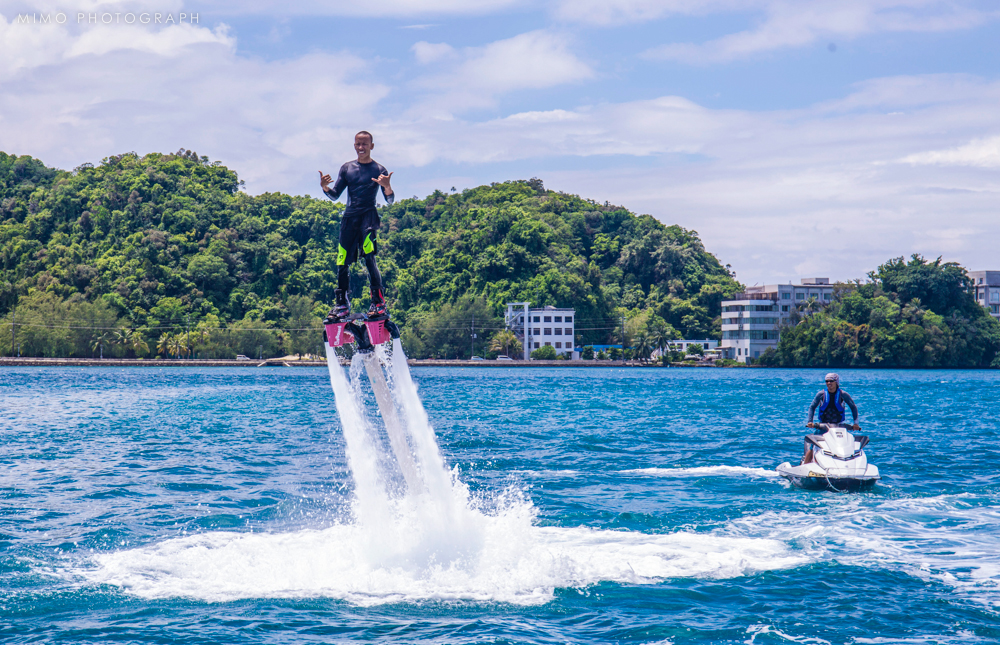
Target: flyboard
366 334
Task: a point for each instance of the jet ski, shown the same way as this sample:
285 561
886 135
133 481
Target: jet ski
839 463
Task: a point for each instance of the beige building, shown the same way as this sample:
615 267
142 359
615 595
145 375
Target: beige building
987 290
751 320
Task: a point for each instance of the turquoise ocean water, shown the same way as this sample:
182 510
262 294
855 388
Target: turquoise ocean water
636 506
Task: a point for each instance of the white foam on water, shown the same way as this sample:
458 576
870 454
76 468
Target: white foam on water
757 630
435 541
951 539
960 636
516 562
703 471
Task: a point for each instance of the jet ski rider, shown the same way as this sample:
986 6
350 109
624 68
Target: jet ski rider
830 404
359 224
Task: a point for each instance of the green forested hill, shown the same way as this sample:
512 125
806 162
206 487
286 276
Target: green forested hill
131 256
908 314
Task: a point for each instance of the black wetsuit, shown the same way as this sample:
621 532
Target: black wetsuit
360 222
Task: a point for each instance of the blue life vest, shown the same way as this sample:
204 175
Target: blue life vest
831 413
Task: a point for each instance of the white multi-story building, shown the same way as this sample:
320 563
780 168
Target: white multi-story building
546 326
987 285
751 320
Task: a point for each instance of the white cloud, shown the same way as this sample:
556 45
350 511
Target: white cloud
431 52
162 89
533 60
13 7
168 41
616 12
27 46
766 189
796 24
384 9
984 153
769 191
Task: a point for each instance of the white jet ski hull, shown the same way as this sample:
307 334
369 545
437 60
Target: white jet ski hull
839 464
810 477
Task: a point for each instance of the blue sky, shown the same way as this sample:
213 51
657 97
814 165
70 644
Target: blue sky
800 139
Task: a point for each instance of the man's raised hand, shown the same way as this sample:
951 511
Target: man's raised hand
383 181
324 180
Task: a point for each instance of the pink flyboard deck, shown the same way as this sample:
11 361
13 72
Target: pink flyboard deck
378 332
338 334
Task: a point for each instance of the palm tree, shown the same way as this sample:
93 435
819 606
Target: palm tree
163 345
505 340
131 339
643 345
661 338
139 345
177 345
914 311
122 337
99 343
201 334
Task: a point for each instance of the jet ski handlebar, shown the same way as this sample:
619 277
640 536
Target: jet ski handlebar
827 426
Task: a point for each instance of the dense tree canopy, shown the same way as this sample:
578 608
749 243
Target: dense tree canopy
166 243
908 314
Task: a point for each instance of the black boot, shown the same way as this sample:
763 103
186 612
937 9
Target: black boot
341 308
378 311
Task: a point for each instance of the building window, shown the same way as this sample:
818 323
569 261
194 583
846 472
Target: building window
994 297
786 296
548 331
558 345
784 308
548 344
568 331
537 319
568 319
800 296
536 345
548 319
826 296
558 331
538 331
558 318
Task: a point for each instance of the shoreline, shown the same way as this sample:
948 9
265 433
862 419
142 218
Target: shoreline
8 361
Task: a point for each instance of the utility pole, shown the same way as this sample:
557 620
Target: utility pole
510 324
187 326
623 340
473 337
13 333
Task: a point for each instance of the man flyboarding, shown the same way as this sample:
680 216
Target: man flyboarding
359 224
